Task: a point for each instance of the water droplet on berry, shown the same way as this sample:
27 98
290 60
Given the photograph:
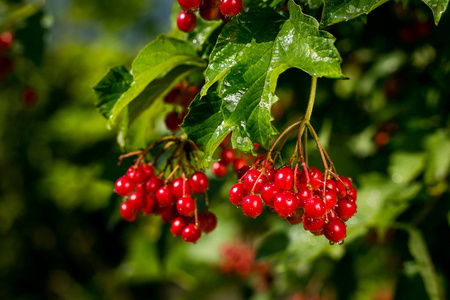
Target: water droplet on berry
341 242
331 243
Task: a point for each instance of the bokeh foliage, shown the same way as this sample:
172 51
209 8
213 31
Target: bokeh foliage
387 127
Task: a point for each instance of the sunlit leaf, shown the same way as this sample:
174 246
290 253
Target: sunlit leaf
336 11
438 7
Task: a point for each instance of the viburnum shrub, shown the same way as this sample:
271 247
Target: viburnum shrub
217 83
172 193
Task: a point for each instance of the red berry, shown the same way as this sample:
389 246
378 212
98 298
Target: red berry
312 224
335 230
207 221
150 206
254 181
168 213
330 199
180 187
199 182
252 206
171 97
137 201
153 184
6 39
303 194
173 121
330 185
352 194
315 208
296 218
191 233
186 206
209 12
189 4
186 21
285 178
269 192
124 186
164 196
315 178
238 164
137 175
271 173
285 204
148 170
178 225
237 194
345 209
127 212
219 169
228 156
231 8
242 171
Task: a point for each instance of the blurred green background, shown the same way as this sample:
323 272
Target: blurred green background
388 127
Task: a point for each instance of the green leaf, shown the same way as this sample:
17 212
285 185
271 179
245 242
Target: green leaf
405 167
418 249
438 160
336 11
438 8
155 60
110 88
248 58
204 125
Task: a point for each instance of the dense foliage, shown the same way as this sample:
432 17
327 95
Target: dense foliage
380 111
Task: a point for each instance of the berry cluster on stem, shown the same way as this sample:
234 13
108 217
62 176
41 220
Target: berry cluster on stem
180 97
209 10
172 193
322 201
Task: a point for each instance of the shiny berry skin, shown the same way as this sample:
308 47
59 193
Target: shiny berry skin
148 170
199 182
312 224
285 178
303 194
180 188
237 194
153 184
191 233
178 225
352 194
137 175
137 201
164 196
150 206
285 204
219 169
254 181
252 206
269 193
127 212
230 8
315 208
238 164
335 230
124 186
242 171
189 4
186 21
345 209
207 221
330 199
228 156
271 173
315 178
186 206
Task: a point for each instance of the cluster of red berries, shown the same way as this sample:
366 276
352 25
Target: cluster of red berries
209 10
322 203
173 200
6 63
180 96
